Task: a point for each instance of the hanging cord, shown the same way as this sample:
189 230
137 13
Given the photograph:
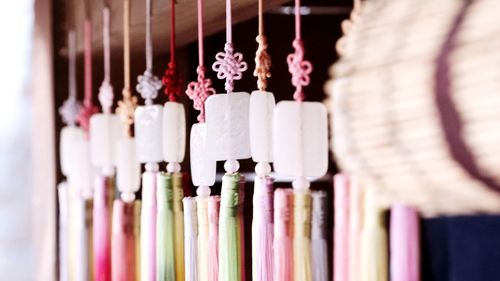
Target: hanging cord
106 90
297 66
88 108
229 65
171 79
71 107
148 84
199 90
262 58
126 106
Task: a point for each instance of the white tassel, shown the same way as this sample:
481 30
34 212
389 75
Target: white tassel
319 245
190 239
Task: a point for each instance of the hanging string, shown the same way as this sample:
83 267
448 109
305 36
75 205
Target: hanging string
229 65
88 108
262 58
71 107
106 90
148 84
199 90
171 79
297 66
126 106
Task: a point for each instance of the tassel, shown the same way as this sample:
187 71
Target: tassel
373 241
80 247
62 194
148 227
341 229
355 225
282 243
405 248
137 237
203 238
262 230
241 230
302 236
103 194
190 239
178 194
123 243
165 260
229 263
319 245
213 238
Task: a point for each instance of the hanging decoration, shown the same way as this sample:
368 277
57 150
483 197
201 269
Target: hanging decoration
319 245
283 235
148 134
174 143
261 115
190 239
165 242
213 238
128 172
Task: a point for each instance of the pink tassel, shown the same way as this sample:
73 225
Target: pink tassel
213 238
124 242
341 228
405 249
282 248
262 230
102 227
355 224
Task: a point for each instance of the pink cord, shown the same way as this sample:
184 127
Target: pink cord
171 79
199 90
88 108
297 66
229 65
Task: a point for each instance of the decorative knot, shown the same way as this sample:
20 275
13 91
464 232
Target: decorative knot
199 91
69 111
229 66
148 86
106 96
84 117
299 68
172 81
262 63
126 109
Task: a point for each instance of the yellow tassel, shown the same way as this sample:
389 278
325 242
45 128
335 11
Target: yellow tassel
178 194
302 236
202 209
374 257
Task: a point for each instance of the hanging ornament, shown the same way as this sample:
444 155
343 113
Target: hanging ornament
319 244
228 139
128 172
174 146
148 134
261 115
282 243
300 149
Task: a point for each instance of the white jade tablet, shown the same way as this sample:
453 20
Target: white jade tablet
174 132
261 126
228 126
69 135
202 167
104 131
148 136
128 169
300 139
82 177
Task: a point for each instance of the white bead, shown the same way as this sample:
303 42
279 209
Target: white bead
231 166
128 196
173 167
174 132
128 169
227 119
104 132
300 141
261 125
262 169
203 191
69 135
203 168
152 167
148 133
301 184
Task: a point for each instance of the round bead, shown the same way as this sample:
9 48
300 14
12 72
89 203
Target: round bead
262 169
203 191
301 184
152 167
128 197
173 167
231 166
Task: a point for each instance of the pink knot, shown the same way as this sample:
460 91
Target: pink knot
199 91
229 66
84 117
172 81
299 68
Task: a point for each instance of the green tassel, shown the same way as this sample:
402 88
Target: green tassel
165 261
